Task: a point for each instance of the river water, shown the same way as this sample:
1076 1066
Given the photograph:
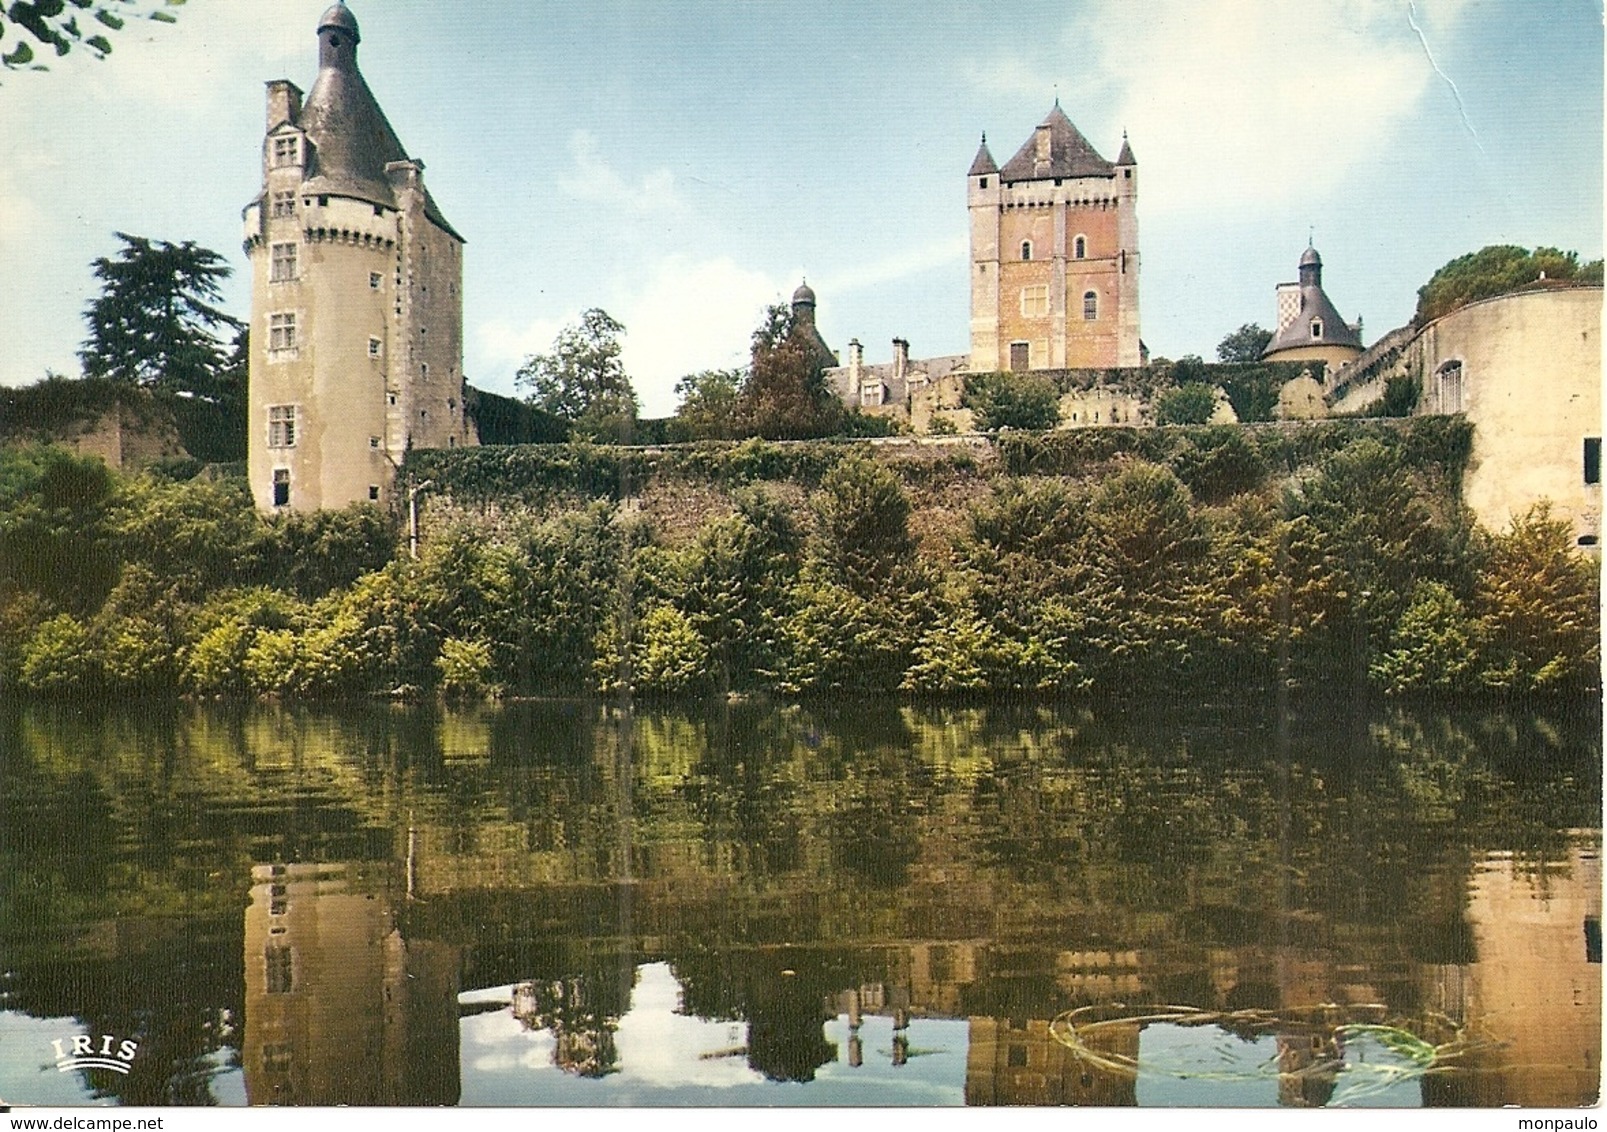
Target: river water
568 903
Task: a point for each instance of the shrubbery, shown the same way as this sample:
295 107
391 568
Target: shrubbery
1208 559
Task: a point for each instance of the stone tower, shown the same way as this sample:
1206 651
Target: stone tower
1054 254
356 296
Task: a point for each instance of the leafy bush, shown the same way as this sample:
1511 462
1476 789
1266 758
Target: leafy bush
1539 604
864 521
1432 647
57 659
1012 400
1191 403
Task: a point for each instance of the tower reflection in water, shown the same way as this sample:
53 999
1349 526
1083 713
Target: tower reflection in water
340 1009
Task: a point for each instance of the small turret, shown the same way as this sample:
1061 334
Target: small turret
983 164
338 38
1126 155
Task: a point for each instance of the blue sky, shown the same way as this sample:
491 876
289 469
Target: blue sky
683 164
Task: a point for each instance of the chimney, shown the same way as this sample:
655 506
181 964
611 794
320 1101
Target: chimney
284 103
856 362
901 358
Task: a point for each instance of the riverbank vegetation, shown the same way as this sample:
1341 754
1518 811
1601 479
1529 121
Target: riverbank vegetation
1200 561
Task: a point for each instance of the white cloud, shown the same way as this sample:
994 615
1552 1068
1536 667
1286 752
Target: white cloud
1229 101
595 180
657 1046
946 252
689 316
680 315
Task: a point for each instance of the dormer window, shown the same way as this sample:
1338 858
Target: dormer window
286 151
1316 330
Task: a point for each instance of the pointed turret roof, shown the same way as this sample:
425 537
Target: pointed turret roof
984 163
352 141
1314 305
1069 154
1126 155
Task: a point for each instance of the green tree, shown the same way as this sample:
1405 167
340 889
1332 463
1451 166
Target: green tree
56 533
864 523
1539 604
785 396
1433 647
155 321
1191 403
1244 345
1497 270
710 404
1012 400
736 586
59 25
583 379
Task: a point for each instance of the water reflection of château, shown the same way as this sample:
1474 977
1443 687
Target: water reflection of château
960 865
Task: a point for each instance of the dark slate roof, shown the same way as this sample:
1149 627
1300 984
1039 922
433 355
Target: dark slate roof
1313 304
1070 155
351 140
1126 155
804 294
340 16
984 163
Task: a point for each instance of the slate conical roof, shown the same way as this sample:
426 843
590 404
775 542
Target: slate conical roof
1126 155
352 141
1070 155
1314 304
984 163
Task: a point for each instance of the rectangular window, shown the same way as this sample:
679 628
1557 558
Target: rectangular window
1020 356
281 331
373 491
374 280
1090 306
286 151
281 487
1035 301
281 969
373 347
1592 459
284 204
424 370
373 442
282 264
281 426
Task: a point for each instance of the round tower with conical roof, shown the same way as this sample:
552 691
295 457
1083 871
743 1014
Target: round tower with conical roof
1309 327
357 296
1054 254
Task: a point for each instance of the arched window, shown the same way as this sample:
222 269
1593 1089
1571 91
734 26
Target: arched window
1090 306
1316 330
1079 248
1026 249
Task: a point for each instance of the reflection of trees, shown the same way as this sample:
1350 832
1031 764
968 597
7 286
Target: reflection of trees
781 996
582 1011
1029 831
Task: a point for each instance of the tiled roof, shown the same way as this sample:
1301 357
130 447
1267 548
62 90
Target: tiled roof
1070 155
